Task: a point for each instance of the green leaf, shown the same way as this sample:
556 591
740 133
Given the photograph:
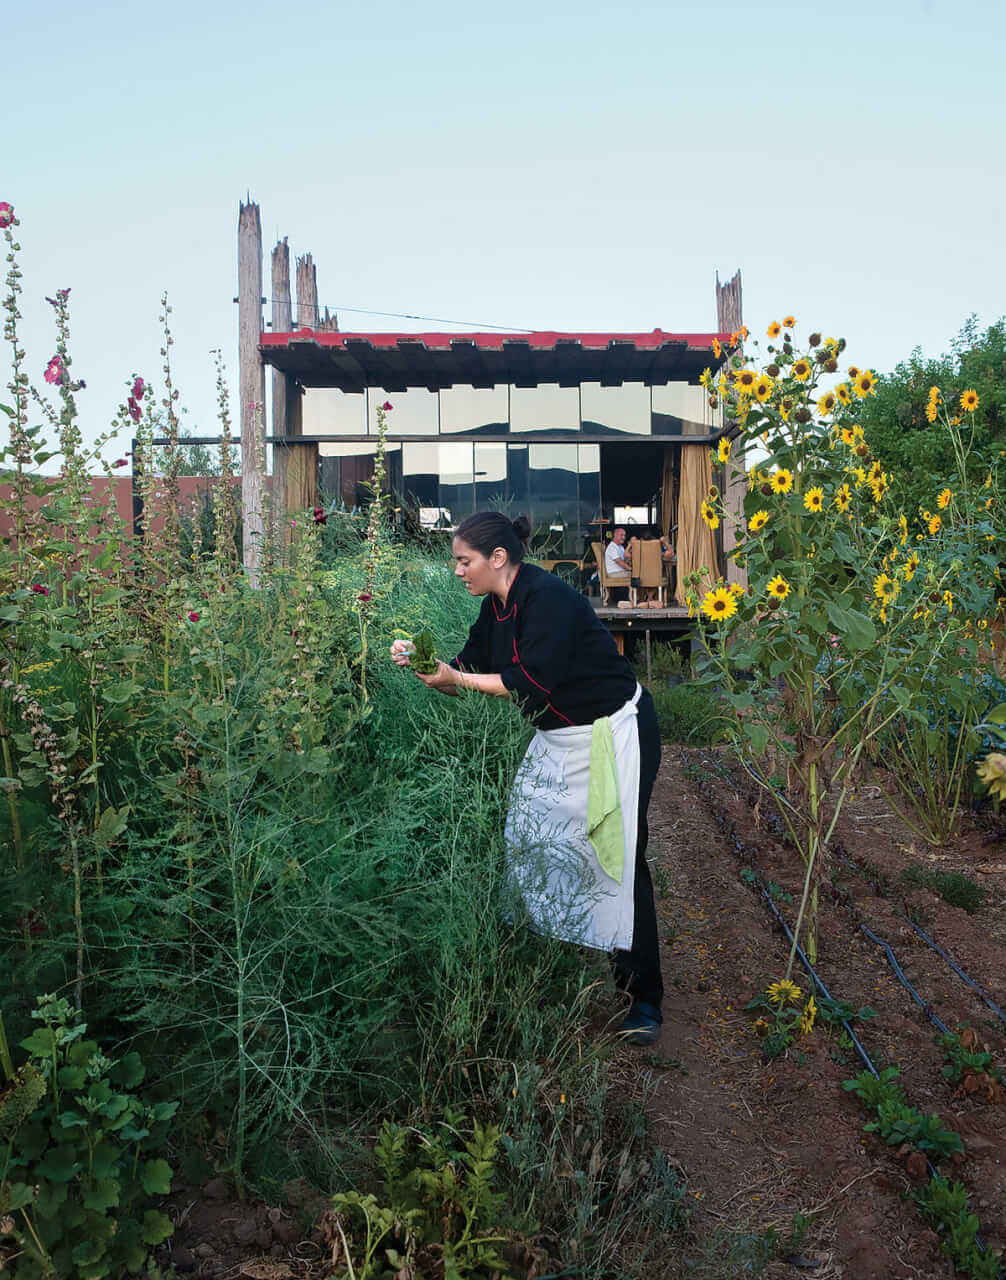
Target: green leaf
854 628
16 1196
998 714
103 1195
129 1071
72 1077
157 1226
104 1158
10 613
59 1164
156 1180
757 736
120 691
40 1043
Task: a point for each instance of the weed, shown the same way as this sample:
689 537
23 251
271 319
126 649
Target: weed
952 886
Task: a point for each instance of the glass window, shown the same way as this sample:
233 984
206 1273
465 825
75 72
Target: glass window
555 513
589 456
420 475
346 472
483 409
414 412
457 477
330 412
624 409
490 477
517 478
680 409
545 408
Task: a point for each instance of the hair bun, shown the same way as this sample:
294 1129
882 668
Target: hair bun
522 528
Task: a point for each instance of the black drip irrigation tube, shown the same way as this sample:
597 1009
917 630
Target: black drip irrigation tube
892 960
819 985
975 986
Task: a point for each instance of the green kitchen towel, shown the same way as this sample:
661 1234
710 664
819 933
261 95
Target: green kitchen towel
604 812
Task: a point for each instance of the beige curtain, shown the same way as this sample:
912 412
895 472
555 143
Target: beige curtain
667 492
696 544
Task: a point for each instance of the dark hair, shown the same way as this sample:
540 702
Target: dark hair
487 530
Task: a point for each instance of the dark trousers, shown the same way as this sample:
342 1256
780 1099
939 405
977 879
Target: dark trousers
637 971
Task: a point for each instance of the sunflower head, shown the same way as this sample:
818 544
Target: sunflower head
758 522
774 329
864 383
843 498
788 322
723 450
969 401
813 499
885 588
719 604
943 499
763 388
801 370
935 524
710 516
782 480
782 991
778 588
843 393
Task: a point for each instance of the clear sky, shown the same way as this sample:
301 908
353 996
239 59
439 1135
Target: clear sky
541 165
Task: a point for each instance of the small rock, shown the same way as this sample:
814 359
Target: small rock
245 1230
263 1238
205 1250
217 1189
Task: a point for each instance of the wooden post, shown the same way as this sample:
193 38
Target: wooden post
307 293
729 318
729 312
251 382
282 322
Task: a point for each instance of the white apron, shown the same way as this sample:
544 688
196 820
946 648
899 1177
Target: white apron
552 865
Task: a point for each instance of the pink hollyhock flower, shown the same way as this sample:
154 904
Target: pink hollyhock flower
387 405
364 596
319 515
139 386
121 462
6 215
133 409
39 589
193 616
54 371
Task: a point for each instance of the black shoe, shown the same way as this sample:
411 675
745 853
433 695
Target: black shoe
641 1025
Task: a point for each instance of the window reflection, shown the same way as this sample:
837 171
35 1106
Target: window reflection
545 408
623 410
330 412
420 474
680 409
482 409
490 477
414 412
555 513
589 461
457 480
346 472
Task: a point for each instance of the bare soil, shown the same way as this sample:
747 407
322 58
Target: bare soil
759 1142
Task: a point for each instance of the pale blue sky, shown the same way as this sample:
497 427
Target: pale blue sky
543 165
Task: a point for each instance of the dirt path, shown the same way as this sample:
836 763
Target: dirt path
762 1142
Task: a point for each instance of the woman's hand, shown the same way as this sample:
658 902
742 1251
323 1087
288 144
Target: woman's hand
401 652
445 678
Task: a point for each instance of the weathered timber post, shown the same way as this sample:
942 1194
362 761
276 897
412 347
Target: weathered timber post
251 382
307 293
284 391
729 318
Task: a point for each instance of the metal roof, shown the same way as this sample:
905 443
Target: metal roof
396 361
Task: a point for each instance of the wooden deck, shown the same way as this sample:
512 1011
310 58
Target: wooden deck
668 622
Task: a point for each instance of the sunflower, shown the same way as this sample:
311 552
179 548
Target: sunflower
717 349
801 370
885 588
827 402
843 498
779 588
763 388
774 329
843 393
860 475
935 524
807 1018
969 401
932 410
879 486
745 380
948 600
736 589
783 990
864 383
902 528
709 515
875 472
719 604
723 449
758 522
853 370
943 499
912 562
760 1027
813 500
788 322
782 480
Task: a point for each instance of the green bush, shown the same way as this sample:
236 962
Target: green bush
688 714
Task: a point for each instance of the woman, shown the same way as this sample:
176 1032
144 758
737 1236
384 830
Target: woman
582 791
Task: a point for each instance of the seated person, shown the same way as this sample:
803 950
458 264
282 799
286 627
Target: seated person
647 564
615 563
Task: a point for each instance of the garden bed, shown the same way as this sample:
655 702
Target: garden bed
779 1176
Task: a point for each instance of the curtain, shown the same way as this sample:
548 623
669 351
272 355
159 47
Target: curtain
696 544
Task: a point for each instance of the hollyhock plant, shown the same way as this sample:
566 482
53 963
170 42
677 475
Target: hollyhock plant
133 409
121 462
54 371
6 214
39 589
387 405
319 515
139 386
193 616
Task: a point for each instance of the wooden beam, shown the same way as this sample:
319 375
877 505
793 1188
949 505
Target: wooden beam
729 312
307 293
251 383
